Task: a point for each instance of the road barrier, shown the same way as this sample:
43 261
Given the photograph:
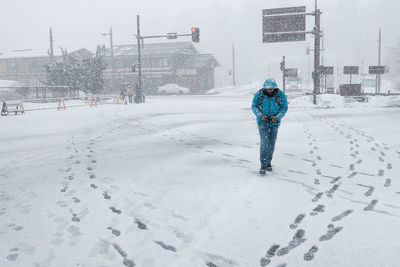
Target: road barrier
61 104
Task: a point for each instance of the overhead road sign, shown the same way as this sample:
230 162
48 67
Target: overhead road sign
326 70
377 69
351 69
284 24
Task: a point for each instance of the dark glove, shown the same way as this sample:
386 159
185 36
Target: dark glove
274 119
264 118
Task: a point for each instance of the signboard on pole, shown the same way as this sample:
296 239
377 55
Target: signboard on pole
350 89
326 70
377 69
284 24
351 69
291 73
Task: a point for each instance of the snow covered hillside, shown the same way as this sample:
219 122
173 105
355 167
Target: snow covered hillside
174 182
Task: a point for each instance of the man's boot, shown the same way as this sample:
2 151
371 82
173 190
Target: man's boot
269 167
263 169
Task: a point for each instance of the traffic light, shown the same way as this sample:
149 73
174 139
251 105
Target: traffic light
307 50
133 68
195 34
282 65
387 69
103 50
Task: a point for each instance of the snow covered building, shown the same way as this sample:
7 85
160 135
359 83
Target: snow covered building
27 66
163 63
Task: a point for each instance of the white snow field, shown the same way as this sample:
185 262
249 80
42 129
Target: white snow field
174 182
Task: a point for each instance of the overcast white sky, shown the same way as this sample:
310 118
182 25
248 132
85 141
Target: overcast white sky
351 28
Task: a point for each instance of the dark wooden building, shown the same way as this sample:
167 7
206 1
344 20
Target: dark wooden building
163 63
27 66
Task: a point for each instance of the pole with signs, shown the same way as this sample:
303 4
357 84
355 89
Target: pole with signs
283 68
289 25
317 41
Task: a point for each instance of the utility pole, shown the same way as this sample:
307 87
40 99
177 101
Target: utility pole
233 65
322 63
138 37
51 43
317 41
309 66
378 77
111 59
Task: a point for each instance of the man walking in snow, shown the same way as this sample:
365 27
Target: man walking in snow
270 106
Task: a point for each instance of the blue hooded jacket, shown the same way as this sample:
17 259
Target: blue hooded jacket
270 106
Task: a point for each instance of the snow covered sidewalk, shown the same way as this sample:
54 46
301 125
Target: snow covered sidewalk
174 182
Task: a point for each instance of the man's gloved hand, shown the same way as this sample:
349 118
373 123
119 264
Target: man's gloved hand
264 118
274 119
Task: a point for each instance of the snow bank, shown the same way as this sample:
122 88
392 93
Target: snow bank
299 101
324 101
241 90
337 101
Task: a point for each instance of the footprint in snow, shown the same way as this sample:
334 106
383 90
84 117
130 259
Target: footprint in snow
310 254
317 197
371 205
106 195
115 210
297 221
166 247
332 231
342 215
93 186
141 225
114 231
318 209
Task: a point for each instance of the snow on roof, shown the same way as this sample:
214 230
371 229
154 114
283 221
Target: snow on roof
154 49
29 53
9 83
201 61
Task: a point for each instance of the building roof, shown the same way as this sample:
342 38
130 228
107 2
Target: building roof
9 83
31 53
200 61
154 49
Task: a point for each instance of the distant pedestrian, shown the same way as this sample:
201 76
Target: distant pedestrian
270 106
130 94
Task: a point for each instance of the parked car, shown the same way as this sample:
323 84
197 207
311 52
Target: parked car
173 89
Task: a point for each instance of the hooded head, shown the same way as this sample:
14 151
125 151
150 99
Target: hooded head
270 87
270 83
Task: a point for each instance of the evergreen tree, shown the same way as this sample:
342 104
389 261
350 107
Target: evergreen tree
85 74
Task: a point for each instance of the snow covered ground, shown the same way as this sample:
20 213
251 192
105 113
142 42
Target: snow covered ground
174 182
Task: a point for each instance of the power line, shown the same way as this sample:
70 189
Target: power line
158 24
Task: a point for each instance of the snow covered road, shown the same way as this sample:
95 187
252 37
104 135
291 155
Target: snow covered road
174 182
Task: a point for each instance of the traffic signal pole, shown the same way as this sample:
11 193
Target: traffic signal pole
195 38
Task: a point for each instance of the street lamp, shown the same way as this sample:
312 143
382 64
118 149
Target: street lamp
112 59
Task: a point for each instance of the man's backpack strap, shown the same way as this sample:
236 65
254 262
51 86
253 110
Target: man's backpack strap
278 99
260 99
